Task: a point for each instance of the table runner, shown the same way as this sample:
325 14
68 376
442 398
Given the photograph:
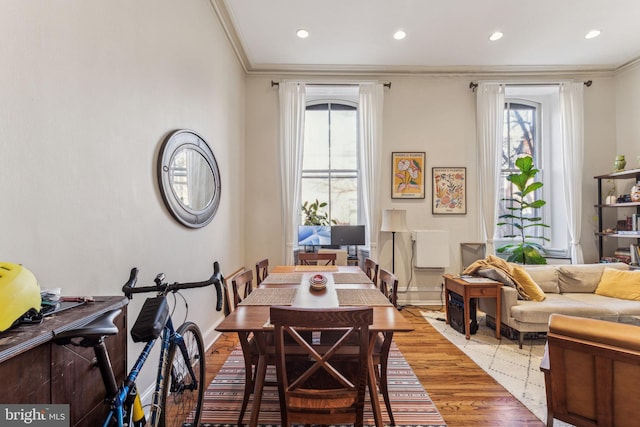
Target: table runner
342 278
368 297
307 268
282 278
270 296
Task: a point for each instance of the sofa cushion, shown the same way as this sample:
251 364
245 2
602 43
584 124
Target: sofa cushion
619 284
546 276
622 307
539 312
583 278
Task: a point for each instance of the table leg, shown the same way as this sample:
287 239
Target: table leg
261 371
498 312
373 387
467 317
446 305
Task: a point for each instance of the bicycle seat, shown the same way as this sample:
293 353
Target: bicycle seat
96 329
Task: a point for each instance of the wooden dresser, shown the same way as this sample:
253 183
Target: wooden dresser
34 370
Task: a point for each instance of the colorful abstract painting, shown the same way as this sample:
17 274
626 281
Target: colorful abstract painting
407 176
449 190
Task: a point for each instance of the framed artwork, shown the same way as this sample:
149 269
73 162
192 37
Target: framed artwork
407 177
449 191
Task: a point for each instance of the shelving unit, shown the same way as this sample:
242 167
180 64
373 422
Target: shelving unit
601 206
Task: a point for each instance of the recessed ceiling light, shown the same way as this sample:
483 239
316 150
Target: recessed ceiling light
495 36
399 35
303 34
592 34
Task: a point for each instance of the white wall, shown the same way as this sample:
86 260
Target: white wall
88 92
627 92
434 114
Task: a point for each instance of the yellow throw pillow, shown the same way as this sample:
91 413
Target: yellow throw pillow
526 283
623 284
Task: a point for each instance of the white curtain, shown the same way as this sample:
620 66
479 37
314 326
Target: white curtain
489 122
572 127
370 146
292 110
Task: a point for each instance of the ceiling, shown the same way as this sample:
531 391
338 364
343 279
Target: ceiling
442 35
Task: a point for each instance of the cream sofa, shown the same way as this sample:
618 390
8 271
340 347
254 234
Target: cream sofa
569 290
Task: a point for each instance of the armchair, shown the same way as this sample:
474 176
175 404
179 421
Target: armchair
592 377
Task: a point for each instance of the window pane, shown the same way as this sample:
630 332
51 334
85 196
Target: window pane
315 188
344 200
343 139
519 133
316 140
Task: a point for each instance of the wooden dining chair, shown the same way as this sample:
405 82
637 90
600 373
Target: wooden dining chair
227 291
371 270
262 270
322 384
315 258
389 286
242 285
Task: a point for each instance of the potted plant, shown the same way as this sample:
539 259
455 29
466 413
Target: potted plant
522 217
313 214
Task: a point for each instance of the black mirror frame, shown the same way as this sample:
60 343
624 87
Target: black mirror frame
173 144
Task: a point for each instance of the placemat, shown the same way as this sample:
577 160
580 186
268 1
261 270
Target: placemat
306 268
342 278
270 296
282 278
368 297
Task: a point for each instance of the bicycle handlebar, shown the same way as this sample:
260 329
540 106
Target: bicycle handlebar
164 288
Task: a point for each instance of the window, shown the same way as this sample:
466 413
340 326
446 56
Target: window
330 166
532 127
520 137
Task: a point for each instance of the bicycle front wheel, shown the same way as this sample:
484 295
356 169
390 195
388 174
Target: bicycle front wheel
183 389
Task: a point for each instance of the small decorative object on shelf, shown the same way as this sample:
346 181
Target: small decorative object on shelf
635 192
619 163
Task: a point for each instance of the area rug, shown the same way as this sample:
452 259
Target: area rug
515 369
411 404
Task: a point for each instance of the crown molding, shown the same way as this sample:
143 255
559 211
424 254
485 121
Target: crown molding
221 10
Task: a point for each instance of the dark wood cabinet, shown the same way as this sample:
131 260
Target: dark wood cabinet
34 370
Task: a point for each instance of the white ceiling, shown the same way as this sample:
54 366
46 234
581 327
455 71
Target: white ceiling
442 35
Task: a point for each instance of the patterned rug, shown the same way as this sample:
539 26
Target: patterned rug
517 370
410 402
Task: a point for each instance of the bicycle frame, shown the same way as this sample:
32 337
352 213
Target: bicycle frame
120 412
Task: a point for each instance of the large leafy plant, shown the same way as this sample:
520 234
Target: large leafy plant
314 215
521 217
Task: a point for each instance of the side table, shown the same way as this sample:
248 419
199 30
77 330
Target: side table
473 288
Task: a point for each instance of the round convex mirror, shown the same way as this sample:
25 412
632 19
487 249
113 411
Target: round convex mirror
189 178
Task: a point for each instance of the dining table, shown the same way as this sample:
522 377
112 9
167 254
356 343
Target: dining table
289 285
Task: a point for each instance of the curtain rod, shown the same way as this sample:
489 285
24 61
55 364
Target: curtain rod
387 85
474 85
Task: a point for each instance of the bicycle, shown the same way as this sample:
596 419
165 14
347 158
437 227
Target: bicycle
179 387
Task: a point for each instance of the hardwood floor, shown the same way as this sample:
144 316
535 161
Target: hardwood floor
463 393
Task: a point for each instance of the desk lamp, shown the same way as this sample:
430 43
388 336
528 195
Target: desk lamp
394 220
